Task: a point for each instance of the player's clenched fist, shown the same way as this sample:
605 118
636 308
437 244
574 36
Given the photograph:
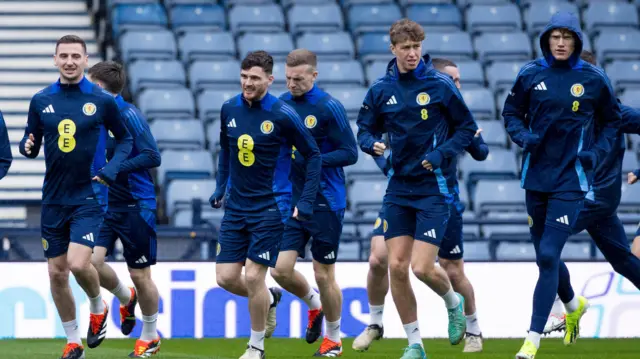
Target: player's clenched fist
28 144
379 148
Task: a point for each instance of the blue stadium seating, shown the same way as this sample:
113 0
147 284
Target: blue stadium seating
480 103
277 44
185 165
512 46
536 17
610 14
179 134
315 18
221 75
207 17
328 46
167 103
340 73
207 46
494 18
148 45
471 74
138 17
436 17
624 74
502 75
155 74
618 45
373 47
500 164
256 18
351 98
493 133
180 193
210 102
373 18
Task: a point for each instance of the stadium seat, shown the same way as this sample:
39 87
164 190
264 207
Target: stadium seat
210 102
513 46
349 3
277 44
315 18
279 75
366 167
502 75
178 134
517 228
373 47
500 164
576 251
232 3
494 18
206 46
205 17
518 251
366 195
455 46
112 3
340 73
375 70
328 46
467 3
471 74
213 137
167 103
501 98
217 75
148 45
185 165
630 162
376 18
498 196
180 193
480 103
183 217
618 45
631 98
155 74
610 14
146 17
493 133
350 97
256 18
289 3
476 251
436 17
624 74
537 17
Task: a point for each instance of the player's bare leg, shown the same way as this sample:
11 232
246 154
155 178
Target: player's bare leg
65 304
259 303
635 247
405 300
331 297
148 298
109 280
462 285
423 257
229 277
377 289
79 262
295 283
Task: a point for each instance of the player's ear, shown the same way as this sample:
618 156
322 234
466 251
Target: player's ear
393 49
270 78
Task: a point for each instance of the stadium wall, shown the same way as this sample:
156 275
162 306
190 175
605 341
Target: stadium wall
192 305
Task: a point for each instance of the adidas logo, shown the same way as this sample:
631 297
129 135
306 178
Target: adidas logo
455 250
142 260
331 255
430 233
88 237
541 86
232 123
265 256
392 100
564 220
48 109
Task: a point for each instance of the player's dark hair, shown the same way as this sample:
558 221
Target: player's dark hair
260 59
439 63
300 57
589 57
406 30
111 74
71 39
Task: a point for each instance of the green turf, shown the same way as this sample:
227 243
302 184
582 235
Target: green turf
298 348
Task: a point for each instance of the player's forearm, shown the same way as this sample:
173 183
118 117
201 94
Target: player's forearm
515 128
35 149
341 157
478 149
147 159
312 181
630 122
222 176
457 143
366 141
120 153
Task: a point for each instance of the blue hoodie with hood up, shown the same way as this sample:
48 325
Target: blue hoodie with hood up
551 113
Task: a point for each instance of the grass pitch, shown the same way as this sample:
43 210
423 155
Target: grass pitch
298 348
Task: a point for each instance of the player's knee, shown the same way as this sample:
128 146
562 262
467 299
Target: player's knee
97 261
58 276
323 277
78 265
548 258
140 276
226 280
378 264
281 274
454 270
399 269
423 269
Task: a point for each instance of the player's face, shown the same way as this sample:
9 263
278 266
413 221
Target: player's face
71 60
562 44
255 83
454 73
300 79
407 54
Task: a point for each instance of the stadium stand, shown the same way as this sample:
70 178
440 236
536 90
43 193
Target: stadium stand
183 62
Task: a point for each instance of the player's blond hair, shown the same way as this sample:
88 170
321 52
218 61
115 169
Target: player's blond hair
406 30
300 57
